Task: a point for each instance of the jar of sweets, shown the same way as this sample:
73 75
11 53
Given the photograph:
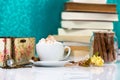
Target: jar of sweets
105 44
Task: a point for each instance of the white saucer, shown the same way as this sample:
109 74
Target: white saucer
50 63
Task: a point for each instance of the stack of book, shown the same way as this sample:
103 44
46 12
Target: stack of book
80 20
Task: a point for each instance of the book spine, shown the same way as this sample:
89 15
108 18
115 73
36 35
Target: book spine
74 38
89 16
85 7
79 32
87 25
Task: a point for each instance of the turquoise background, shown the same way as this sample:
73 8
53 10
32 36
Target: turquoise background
35 18
26 18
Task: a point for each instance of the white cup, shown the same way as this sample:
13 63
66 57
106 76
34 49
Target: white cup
52 52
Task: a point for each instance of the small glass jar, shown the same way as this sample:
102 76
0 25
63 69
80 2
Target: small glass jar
104 44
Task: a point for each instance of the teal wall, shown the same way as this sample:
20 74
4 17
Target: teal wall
26 18
36 18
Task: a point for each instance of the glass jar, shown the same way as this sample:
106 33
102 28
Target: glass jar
104 44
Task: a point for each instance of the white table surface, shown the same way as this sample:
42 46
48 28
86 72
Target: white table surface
108 72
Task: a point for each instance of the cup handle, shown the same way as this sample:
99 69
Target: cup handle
68 54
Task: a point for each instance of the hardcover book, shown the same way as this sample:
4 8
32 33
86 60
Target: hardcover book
86 7
87 25
89 16
86 48
78 32
73 38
